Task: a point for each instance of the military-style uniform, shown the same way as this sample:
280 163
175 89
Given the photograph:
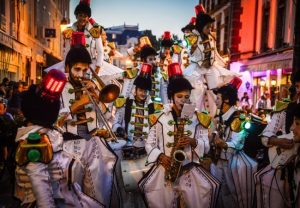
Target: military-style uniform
273 180
133 116
234 168
206 66
195 187
50 182
80 124
93 41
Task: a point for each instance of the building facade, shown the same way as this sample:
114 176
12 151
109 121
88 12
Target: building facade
30 37
258 35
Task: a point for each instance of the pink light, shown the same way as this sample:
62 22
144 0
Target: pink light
49 84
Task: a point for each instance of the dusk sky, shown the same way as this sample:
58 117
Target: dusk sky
156 15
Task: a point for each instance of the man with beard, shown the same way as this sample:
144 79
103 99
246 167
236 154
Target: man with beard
178 132
81 116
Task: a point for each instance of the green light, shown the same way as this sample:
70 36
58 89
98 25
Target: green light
247 125
33 155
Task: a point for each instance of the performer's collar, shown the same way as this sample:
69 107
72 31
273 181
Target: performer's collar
228 113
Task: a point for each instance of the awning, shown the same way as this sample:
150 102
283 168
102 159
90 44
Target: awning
276 61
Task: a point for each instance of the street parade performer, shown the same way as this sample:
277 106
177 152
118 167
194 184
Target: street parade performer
231 165
82 115
131 123
158 91
206 65
42 163
93 42
177 141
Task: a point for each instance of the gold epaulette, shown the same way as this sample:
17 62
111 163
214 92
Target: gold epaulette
95 32
204 119
120 102
153 118
131 73
67 33
280 106
236 124
158 106
177 49
164 75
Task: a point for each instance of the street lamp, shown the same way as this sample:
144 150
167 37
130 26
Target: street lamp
273 82
63 24
262 83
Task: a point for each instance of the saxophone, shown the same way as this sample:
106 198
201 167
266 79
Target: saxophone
177 154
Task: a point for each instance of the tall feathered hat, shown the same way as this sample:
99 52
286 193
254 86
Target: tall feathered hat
177 82
83 7
202 18
167 40
143 80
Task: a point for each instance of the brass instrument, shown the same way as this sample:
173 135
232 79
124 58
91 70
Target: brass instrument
177 154
215 151
100 116
108 93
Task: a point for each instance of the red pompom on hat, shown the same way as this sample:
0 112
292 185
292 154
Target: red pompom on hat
78 38
199 9
174 70
167 35
236 82
193 21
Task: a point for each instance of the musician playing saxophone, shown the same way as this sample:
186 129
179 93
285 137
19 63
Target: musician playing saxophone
171 133
80 124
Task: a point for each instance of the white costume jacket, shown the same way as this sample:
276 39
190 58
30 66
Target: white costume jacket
102 163
206 68
234 168
196 187
52 184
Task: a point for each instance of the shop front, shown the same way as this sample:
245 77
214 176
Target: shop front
271 75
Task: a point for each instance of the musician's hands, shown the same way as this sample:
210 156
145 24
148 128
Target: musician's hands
91 87
183 141
97 70
221 143
165 161
120 132
282 143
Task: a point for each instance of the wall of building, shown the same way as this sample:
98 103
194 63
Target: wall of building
30 51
